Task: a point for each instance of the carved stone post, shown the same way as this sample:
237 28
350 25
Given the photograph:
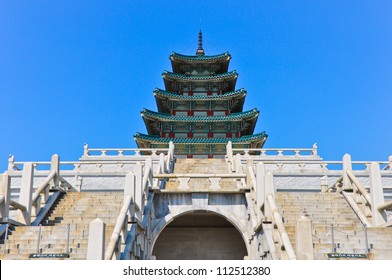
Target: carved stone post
346 166
304 239
96 240
260 185
129 189
138 171
269 190
5 184
26 193
377 195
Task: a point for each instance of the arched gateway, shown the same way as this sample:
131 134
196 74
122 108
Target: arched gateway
199 235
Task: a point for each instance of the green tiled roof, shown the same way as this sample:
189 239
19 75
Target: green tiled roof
232 117
243 139
231 74
204 58
224 96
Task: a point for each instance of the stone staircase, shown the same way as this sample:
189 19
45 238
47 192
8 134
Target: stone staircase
202 166
74 209
324 209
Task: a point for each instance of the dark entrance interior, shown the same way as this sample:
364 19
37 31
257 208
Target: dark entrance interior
200 236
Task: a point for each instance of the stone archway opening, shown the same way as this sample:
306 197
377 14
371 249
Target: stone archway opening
200 236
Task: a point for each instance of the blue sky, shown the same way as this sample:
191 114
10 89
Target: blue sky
74 72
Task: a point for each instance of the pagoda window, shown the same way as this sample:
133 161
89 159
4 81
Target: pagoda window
220 135
229 135
199 135
201 113
210 113
219 113
180 135
171 134
181 113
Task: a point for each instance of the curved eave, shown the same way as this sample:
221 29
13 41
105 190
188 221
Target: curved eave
170 76
250 139
242 116
200 58
168 95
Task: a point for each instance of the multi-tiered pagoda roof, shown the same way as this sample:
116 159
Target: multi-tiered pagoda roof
200 110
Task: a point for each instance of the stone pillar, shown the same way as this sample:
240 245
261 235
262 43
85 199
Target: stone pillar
138 171
324 183
260 185
5 184
129 189
55 165
96 240
269 190
304 239
346 166
26 193
377 194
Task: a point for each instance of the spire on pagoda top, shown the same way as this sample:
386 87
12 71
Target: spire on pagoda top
200 50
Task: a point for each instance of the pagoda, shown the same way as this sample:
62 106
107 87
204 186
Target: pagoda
200 110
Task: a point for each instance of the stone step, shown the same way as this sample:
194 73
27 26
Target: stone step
76 209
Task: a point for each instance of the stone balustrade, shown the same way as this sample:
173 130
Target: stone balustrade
370 208
121 152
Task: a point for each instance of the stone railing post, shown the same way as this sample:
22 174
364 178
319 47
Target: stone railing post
54 183
314 150
377 195
249 173
129 189
237 163
96 240
86 152
5 186
11 160
260 185
26 193
390 162
304 239
346 166
269 190
229 152
138 171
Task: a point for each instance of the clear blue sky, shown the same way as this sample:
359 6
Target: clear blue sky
74 72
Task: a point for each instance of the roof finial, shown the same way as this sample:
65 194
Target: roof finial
200 50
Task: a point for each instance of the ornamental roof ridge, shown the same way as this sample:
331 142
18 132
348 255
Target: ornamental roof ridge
233 74
167 117
201 140
196 58
230 94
